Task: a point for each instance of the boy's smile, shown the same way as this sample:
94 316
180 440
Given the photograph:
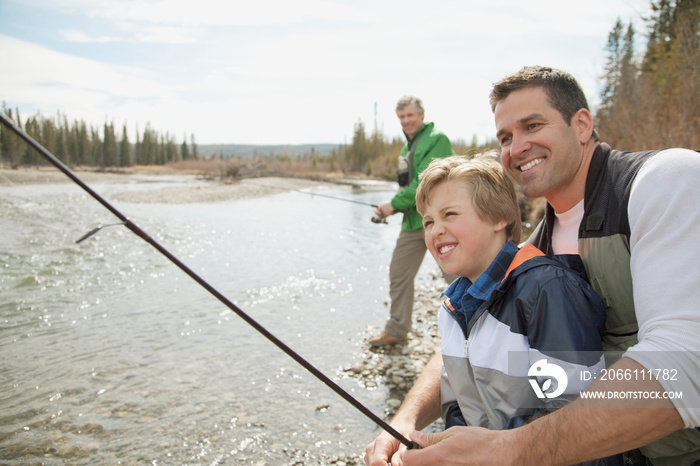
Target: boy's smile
445 249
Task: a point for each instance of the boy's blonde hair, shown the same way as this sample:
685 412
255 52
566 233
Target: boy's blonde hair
493 193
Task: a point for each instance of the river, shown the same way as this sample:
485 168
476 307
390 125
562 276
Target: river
112 355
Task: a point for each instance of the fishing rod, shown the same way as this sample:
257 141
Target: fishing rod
252 322
375 219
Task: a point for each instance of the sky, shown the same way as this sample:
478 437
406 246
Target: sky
291 71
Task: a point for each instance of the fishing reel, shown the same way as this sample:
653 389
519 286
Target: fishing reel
376 219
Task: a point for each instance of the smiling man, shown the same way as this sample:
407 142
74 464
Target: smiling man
543 152
423 144
634 220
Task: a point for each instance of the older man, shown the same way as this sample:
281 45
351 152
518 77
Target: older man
423 144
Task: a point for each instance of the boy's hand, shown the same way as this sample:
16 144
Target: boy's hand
381 451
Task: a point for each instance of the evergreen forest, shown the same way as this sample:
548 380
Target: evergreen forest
653 101
76 143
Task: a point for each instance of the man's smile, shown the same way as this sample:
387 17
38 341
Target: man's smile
527 166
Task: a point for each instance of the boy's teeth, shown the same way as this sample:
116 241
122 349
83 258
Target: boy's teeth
444 249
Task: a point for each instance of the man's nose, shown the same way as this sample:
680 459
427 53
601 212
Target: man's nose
518 146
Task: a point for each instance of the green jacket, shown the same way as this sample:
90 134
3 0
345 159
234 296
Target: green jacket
432 144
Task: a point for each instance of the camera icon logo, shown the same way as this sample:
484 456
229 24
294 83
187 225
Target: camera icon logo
552 372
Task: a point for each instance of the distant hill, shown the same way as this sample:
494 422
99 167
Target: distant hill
250 150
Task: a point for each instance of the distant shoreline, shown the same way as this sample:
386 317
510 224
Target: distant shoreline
213 190
24 175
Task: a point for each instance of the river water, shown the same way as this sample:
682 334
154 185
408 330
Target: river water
112 355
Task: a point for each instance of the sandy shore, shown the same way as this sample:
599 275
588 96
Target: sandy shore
213 190
50 175
218 191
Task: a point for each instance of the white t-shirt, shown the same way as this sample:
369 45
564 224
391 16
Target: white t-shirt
565 232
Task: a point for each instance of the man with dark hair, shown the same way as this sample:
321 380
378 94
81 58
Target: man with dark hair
633 218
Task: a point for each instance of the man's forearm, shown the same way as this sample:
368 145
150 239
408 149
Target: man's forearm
595 428
422 403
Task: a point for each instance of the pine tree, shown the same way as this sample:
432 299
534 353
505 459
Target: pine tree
71 139
148 146
613 64
618 100
61 147
84 144
193 146
184 150
10 148
172 153
29 155
138 149
161 158
47 137
358 153
96 153
125 159
109 146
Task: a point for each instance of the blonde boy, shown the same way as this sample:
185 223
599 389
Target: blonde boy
511 307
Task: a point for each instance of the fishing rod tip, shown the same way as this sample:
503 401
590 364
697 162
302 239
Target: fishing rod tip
87 235
95 230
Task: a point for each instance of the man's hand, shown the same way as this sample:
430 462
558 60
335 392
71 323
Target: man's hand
384 210
458 446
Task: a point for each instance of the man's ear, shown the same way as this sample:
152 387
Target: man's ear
582 122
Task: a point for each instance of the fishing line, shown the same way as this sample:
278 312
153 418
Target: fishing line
374 219
252 322
330 197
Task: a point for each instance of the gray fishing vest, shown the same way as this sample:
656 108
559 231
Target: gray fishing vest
604 247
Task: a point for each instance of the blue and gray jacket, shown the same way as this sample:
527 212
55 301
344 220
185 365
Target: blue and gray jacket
544 309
